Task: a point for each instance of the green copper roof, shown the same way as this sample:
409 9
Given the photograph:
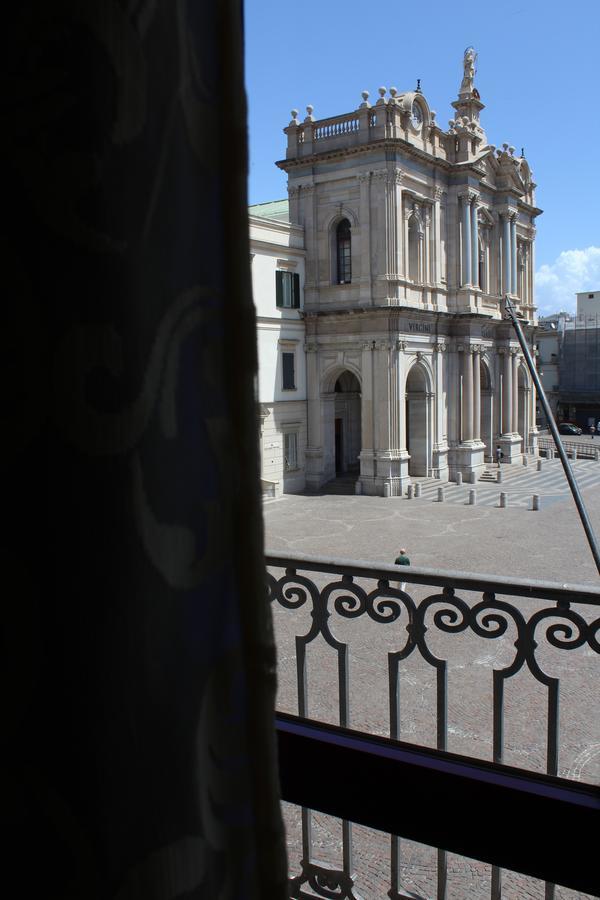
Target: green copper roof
274 209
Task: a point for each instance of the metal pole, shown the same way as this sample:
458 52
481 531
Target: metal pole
587 525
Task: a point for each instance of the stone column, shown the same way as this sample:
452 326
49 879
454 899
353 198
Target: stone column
476 394
364 186
406 214
532 232
515 392
398 177
314 445
401 348
474 244
513 254
467 404
426 279
437 236
466 239
506 254
422 253
507 392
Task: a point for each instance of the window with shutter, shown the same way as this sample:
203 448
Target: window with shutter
287 368
287 289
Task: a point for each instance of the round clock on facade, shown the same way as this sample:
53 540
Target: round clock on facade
416 115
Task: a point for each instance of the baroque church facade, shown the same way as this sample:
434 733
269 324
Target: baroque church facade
407 239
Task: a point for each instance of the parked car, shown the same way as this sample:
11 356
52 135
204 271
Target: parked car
568 428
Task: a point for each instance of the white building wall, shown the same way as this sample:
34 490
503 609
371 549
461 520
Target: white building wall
277 245
588 308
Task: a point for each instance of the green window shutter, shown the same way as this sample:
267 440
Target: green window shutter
296 291
279 288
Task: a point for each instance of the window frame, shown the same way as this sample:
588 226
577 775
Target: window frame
343 252
293 280
288 435
286 350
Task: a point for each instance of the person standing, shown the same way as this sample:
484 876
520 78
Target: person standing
592 431
498 455
402 560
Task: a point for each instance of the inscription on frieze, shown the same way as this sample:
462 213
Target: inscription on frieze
419 327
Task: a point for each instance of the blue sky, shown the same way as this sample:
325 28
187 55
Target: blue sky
537 73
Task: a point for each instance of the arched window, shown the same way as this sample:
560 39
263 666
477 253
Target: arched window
343 241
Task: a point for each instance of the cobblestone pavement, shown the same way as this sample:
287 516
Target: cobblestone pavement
548 544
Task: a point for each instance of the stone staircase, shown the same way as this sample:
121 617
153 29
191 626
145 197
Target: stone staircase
490 474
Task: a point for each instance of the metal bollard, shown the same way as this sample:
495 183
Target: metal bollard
358 488
472 497
597 455
539 465
473 477
503 501
525 461
459 478
409 492
441 496
499 476
535 502
417 489
386 490
574 452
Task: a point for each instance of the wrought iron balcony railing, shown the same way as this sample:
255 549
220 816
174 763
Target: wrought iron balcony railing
534 623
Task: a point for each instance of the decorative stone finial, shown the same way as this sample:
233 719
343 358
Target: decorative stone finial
309 116
432 114
511 150
393 92
382 91
294 114
505 147
418 88
365 104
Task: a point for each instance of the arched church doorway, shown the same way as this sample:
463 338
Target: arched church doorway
418 425
487 411
346 423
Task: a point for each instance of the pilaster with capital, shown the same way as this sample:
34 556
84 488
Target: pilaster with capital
474 240
476 393
438 193
515 391
367 393
506 264
513 253
467 394
507 391
467 198
364 186
439 349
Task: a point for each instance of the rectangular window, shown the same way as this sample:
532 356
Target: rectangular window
287 289
287 368
290 450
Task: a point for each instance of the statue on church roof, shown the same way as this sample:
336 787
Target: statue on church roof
469 60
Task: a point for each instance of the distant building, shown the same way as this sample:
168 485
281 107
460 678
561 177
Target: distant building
588 308
568 357
410 236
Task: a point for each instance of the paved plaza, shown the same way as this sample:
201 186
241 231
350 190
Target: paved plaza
548 544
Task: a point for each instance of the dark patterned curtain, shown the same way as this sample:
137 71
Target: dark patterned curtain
138 667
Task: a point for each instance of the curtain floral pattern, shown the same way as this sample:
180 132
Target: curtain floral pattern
138 661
